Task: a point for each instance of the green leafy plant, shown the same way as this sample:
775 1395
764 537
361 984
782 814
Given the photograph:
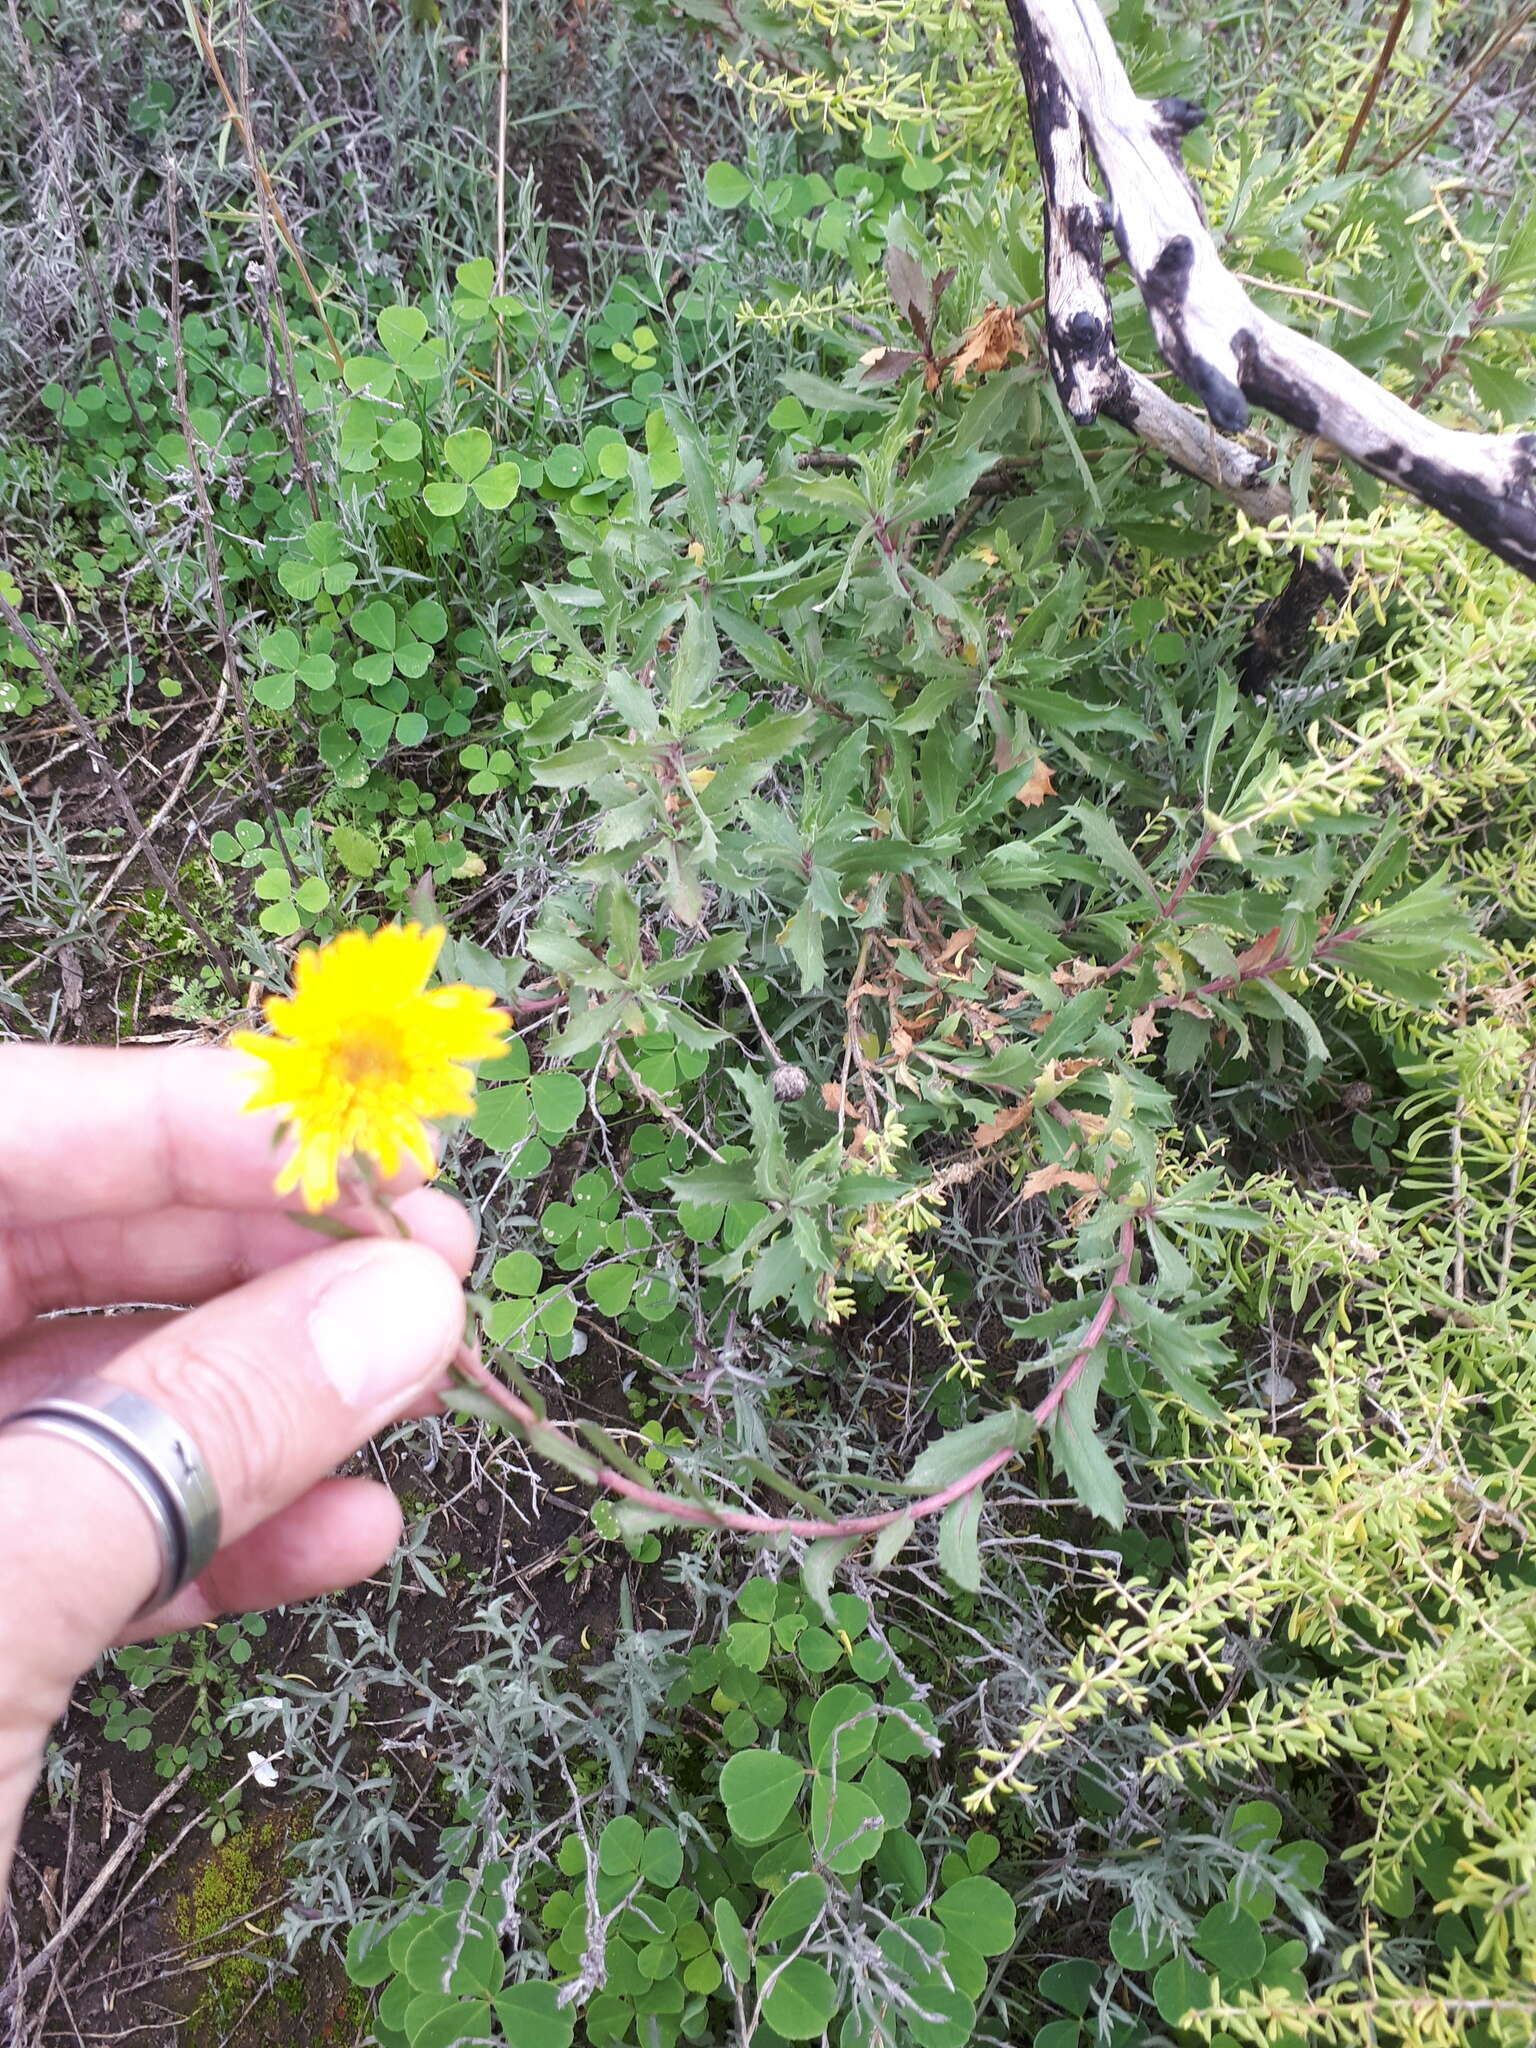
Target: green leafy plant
804 1840
179 1698
1026 1131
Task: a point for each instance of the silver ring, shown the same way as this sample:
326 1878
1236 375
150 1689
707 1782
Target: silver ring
154 1454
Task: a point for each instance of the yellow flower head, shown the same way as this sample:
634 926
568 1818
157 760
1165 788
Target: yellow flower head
365 1054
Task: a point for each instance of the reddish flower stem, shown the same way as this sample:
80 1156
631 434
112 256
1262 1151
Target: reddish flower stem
740 1522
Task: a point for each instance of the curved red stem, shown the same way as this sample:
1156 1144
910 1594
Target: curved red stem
741 1522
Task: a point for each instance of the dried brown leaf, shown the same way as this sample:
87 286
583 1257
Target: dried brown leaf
1073 976
998 1128
988 345
957 947
1143 1030
1255 958
885 365
1036 787
1044 1178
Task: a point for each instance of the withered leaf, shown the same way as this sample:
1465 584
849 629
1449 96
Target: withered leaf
1044 1178
988 344
910 288
885 365
958 947
1255 958
1006 1120
1055 1074
1076 975
1143 1030
1036 786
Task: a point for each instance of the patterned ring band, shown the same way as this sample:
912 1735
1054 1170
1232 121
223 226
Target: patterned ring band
153 1454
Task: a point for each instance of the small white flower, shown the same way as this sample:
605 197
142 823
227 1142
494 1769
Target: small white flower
263 1768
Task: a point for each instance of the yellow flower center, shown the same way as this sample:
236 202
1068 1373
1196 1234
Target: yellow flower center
371 1053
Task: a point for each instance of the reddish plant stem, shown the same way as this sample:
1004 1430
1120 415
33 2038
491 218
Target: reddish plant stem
1368 100
1197 860
1280 963
1103 1317
740 1522
1493 48
1482 306
1204 846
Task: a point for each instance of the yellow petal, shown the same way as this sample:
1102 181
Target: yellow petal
364 1055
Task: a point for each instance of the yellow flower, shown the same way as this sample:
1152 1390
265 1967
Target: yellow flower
365 1054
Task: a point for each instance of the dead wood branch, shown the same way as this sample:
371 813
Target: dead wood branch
1229 352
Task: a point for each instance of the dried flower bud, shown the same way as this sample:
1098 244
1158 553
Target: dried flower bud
789 1083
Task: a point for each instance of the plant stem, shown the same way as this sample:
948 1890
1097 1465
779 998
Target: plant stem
263 178
285 390
501 196
1363 112
1496 43
1096 1329
1181 888
709 1515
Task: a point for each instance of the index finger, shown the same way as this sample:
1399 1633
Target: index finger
88 1131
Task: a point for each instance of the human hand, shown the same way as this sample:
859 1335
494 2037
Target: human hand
137 1177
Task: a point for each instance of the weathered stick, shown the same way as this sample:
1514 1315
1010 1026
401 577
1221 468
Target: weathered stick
1093 380
1227 350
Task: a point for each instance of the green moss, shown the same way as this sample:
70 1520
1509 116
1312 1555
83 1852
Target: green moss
227 1886
230 1897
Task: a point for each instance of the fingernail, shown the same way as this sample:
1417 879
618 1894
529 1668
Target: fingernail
385 1327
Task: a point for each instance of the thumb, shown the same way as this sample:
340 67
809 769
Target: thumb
277 1383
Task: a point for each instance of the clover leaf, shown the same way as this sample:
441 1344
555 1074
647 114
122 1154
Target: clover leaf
287 666
468 455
